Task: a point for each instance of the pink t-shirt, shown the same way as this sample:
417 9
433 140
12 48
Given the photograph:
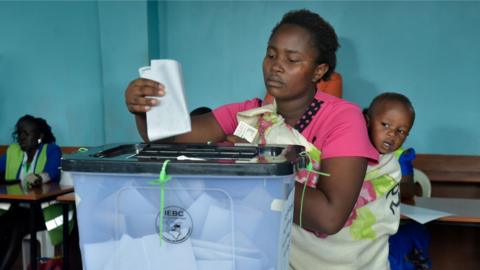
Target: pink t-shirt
333 125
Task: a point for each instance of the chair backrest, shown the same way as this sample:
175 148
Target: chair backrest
422 179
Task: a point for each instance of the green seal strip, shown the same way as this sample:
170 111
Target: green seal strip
162 179
310 169
301 204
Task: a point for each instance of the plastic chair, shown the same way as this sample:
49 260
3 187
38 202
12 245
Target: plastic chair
422 179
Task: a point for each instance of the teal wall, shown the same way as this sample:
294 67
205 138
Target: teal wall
70 62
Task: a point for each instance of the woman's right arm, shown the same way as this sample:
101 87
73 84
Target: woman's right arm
138 103
205 127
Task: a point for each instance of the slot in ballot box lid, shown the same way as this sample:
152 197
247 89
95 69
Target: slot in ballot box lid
203 159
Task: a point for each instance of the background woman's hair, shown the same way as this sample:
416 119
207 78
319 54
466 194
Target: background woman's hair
41 126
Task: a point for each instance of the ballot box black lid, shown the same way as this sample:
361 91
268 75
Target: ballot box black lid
188 159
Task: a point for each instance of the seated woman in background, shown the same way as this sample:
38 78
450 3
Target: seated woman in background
33 159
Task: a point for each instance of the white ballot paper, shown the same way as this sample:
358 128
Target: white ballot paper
170 117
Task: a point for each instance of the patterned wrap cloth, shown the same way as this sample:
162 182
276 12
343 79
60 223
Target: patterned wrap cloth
363 241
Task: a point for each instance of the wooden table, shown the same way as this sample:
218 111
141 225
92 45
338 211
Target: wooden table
455 240
462 210
34 196
66 200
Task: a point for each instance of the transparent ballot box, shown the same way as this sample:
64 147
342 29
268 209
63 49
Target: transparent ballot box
213 207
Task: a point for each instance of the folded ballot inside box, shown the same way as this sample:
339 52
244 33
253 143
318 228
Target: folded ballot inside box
223 207
170 117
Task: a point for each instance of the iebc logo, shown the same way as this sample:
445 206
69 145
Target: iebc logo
177 224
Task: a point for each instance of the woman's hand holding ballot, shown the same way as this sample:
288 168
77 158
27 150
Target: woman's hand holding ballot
137 97
138 91
138 103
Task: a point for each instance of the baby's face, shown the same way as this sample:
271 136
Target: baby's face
390 126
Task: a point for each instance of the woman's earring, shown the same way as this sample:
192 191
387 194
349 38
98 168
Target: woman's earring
39 140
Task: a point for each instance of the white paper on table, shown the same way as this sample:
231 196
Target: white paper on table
420 214
170 117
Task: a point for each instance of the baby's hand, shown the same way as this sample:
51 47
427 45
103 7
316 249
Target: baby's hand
33 180
138 90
